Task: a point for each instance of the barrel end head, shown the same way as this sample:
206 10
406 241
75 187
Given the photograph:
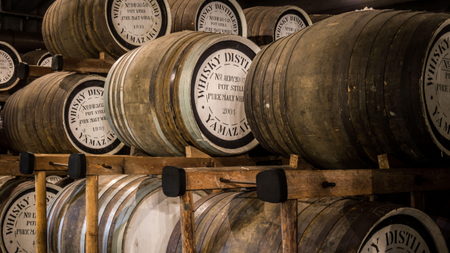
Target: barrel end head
271 186
26 163
77 166
173 181
23 70
57 62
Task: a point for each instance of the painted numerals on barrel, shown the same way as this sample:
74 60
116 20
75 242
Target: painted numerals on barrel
19 223
136 21
6 67
437 85
219 94
217 17
87 119
287 25
396 238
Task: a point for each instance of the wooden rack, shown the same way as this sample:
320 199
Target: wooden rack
291 180
91 166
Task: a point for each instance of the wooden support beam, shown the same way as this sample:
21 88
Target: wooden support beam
187 222
9 165
289 226
41 212
92 214
193 152
309 184
206 178
146 165
38 71
24 71
61 63
418 200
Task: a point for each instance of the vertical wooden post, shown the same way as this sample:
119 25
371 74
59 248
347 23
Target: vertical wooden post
41 212
418 200
187 222
289 226
92 214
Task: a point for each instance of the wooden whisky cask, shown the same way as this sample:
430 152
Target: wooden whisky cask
355 86
240 222
9 61
183 89
217 16
38 57
59 113
267 24
18 212
134 216
83 29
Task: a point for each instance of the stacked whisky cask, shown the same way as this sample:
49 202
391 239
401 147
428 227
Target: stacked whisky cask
267 24
59 113
180 90
83 29
355 86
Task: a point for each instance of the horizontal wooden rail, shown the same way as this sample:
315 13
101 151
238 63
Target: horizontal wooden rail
210 178
25 71
101 66
9 165
302 184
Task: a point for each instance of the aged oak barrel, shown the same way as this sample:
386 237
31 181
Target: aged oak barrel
60 113
9 61
18 212
240 222
38 57
355 86
266 24
185 89
216 16
134 216
84 28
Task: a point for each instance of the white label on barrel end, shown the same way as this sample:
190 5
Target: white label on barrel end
47 62
19 224
396 238
219 94
87 119
6 67
437 85
287 25
217 17
136 21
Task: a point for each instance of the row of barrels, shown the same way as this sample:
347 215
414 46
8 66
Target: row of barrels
83 29
338 93
135 216
9 61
